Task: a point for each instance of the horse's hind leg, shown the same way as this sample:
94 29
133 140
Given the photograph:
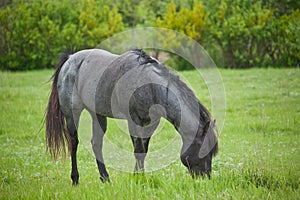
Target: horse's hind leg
72 125
99 129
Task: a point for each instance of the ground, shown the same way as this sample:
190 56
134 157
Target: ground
259 155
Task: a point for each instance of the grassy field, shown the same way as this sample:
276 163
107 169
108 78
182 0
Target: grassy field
259 154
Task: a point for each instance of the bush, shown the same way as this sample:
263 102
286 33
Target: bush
34 32
254 35
236 33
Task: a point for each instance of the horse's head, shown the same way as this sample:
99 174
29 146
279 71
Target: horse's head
198 157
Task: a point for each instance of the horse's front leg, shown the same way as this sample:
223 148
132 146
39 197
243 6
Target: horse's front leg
140 151
99 129
140 137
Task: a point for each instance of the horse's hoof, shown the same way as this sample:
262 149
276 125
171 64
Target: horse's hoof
75 179
75 183
105 179
138 171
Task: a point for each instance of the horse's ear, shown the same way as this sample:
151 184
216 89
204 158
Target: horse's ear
200 133
209 142
205 129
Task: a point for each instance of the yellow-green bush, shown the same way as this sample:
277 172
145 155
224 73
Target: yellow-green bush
239 33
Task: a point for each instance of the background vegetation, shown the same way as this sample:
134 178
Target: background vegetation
259 154
236 33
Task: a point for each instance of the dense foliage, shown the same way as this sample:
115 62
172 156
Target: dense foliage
250 34
237 34
35 32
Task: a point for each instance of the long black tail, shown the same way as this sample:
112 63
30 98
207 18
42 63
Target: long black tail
56 131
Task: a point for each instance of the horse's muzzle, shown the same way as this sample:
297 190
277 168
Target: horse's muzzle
196 172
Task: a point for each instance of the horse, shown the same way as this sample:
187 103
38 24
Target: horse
131 86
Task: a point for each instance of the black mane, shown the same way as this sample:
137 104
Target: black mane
143 58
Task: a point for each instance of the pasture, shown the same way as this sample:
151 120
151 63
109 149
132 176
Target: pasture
259 156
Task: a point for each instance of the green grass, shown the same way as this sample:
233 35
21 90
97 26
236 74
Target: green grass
259 154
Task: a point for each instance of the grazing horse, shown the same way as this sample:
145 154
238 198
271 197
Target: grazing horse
132 86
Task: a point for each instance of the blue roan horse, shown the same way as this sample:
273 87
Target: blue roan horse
131 86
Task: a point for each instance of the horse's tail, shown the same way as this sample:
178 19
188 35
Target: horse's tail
56 130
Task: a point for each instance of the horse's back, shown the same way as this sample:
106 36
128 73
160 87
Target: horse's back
93 66
90 73
103 82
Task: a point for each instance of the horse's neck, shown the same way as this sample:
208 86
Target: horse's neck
173 110
182 112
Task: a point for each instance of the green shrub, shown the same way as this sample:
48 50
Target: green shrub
35 32
253 35
236 33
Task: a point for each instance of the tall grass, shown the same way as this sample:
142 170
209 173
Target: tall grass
259 154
